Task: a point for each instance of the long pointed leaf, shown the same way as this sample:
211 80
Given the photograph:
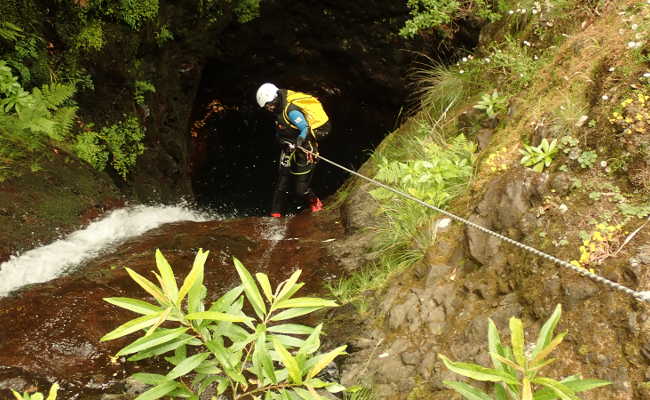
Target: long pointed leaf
155 339
517 340
196 274
548 349
187 365
148 286
162 318
478 372
563 391
131 326
292 313
263 279
217 316
169 285
251 290
137 306
494 343
288 285
305 302
573 383
324 359
289 362
158 391
294 329
467 391
546 333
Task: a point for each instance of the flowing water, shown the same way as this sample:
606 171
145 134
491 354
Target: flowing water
47 262
52 309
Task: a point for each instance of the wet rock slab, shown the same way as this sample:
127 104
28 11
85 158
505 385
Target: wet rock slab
50 332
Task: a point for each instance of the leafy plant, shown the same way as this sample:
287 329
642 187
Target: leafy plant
136 12
30 120
493 104
434 14
164 35
539 157
587 159
515 371
38 396
142 88
438 174
121 144
219 344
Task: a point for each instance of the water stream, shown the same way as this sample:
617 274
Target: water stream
47 262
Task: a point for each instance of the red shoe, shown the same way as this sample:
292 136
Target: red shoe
316 205
276 215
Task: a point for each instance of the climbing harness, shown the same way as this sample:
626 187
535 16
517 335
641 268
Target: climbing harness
643 296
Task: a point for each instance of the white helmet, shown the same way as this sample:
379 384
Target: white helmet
267 92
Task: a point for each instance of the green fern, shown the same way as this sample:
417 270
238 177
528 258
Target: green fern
55 94
10 32
31 120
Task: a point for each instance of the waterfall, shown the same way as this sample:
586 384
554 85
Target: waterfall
47 262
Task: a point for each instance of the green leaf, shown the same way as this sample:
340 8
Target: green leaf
220 352
306 394
561 390
169 286
164 348
323 360
293 329
137 306
467 391
195 275
53 391
131 326
302 302
264 359
216 316
573 383
546 333
263 279
148 378
548 349
250 288
158 391
187 365
312 343
507 362
500 392
148 286
292 313
287 286
478 372
289 362
517 340
155 339
162 318
494 343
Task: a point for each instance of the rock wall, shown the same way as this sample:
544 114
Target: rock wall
442 305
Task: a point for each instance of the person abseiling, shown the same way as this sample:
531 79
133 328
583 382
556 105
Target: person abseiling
299 120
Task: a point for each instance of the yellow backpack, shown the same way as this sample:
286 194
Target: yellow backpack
311 107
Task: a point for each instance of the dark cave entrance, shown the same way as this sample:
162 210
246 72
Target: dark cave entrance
347 55
236 167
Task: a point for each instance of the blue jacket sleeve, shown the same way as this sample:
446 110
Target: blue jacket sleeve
298 119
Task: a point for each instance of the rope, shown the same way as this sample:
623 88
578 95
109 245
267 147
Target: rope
641 296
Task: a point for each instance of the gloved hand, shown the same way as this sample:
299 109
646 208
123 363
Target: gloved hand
299 141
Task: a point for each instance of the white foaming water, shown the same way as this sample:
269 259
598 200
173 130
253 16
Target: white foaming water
274 230
48 262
